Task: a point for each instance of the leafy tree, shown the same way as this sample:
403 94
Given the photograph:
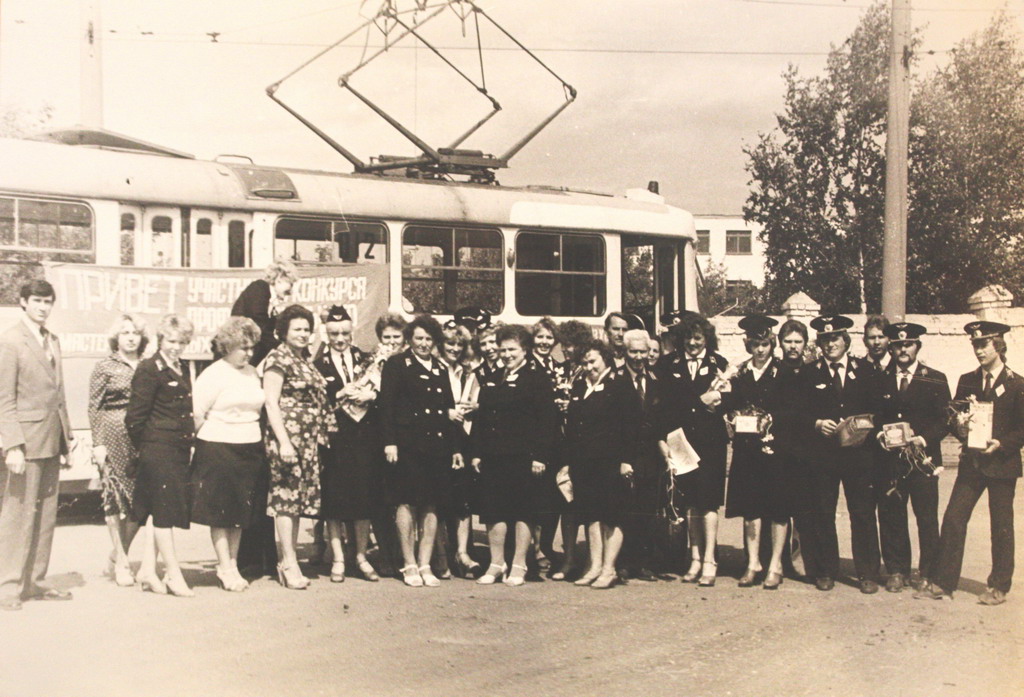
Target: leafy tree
716 296
816 180
966 219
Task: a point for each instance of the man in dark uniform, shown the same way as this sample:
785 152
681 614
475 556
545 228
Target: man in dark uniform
615 327
649 471
918 395
995 468
842 386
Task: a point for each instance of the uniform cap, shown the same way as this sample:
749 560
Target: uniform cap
904 331
757 326
338 313
983 329
473 318
831 324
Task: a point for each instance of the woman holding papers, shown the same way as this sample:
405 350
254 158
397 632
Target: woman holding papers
601 442
694 378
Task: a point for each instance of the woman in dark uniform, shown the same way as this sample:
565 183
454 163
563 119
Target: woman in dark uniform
573 337
160 425
759 485
694 377
421 443
511 445
350 478
544 333
601 441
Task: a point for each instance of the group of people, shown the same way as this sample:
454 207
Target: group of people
532 429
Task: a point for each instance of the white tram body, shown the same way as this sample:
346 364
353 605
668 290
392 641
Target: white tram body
522 253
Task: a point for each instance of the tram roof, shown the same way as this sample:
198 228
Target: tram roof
150 178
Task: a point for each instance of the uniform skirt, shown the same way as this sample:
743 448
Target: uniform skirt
224 482
600 492
162 488
351 478
420 478
763 485
509 490
704 487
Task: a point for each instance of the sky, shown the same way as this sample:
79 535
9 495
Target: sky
669 90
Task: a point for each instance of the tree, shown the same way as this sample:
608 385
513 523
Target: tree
816 179
966 218
717 296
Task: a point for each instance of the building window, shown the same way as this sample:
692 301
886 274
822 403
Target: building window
236 244
737 242
558 274
703 242
447 268
127 239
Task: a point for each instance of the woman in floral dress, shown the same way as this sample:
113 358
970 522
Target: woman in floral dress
109 388
299 421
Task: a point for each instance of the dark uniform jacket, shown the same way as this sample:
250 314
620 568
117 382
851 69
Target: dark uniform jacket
680 399
792 424
604 427
254 303
413 403
517 416
860 394
1007 423
923 406
649 461
160 405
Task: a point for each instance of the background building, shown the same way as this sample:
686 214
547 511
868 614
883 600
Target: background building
730 243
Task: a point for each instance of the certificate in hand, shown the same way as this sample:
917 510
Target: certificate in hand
979 425
684 458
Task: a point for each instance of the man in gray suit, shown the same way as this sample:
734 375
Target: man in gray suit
34 433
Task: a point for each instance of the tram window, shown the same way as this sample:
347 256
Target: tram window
361 242
445 268
302 239
236 244
562 275
56 230
162 230
202 245
127 239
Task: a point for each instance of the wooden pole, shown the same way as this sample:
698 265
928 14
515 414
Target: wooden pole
894 248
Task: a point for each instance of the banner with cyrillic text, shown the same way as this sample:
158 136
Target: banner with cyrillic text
90 298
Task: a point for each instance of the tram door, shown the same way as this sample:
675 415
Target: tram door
652 279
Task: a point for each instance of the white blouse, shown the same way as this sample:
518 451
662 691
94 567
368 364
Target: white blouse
228 401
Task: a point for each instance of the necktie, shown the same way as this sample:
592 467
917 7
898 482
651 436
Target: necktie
987 392
47 348
640 386
904 381
837 383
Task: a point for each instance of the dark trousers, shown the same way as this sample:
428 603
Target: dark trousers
645 543
894 527
970 483
257 549
851 467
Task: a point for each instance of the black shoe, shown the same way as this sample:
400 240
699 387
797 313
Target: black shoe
867 586
749 578
824 583
917 582
895 584
931 591
645 574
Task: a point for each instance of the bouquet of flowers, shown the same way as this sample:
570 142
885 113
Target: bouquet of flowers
959 415
359 393
751 421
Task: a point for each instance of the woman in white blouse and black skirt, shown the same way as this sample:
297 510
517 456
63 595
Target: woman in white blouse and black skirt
229 456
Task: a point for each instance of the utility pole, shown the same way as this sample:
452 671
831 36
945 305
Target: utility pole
91 65
894 247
